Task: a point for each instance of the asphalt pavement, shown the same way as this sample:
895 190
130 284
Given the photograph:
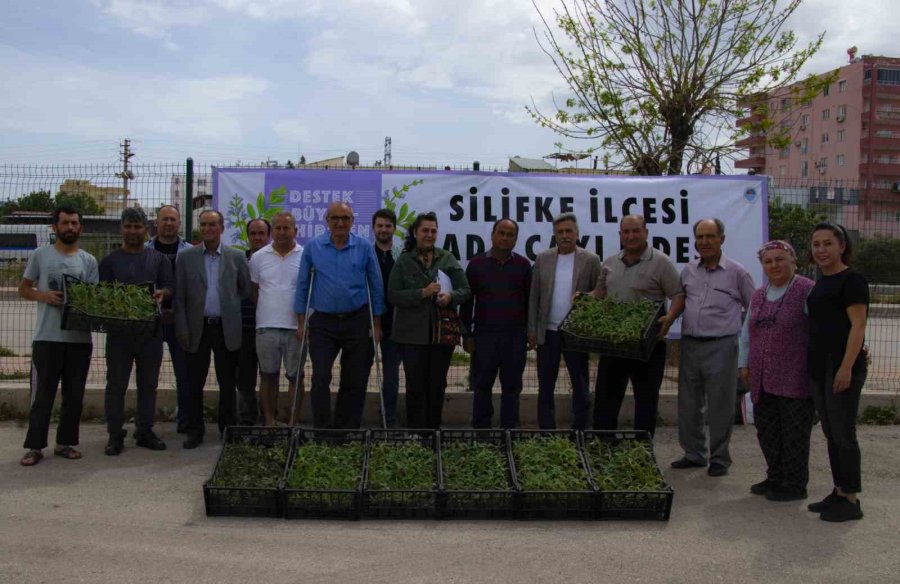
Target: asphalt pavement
140 518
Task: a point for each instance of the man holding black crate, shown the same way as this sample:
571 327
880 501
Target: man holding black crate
636 272
57 354
136 264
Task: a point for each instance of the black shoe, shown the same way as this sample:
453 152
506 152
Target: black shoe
825 503
149 440
842 510
782 494
116 444
192 442
761 488
717 470
685 462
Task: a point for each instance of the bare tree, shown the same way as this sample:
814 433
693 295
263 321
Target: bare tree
659 83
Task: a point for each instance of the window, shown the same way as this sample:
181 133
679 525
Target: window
804 168
888 76
884 134
867 77
804 121
785 103
784 152
839 159
825 138
804 146
826 114
782 170
840 135
842 86
825 91
841 112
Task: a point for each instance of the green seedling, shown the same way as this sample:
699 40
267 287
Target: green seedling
549 463
474 466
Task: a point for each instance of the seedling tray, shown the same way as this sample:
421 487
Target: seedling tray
324 502
80 320
247 501
552 504
402 503
471 503
652 504
638 350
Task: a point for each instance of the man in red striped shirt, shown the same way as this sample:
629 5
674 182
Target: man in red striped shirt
496 317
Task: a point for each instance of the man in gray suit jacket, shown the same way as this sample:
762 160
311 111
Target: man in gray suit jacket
559 273
212 280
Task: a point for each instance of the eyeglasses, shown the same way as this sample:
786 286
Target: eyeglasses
340 218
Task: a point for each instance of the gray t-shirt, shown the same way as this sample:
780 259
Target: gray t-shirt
46 268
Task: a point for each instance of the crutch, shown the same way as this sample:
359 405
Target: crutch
378 379
303 341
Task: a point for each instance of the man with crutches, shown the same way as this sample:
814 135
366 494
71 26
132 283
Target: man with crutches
338 273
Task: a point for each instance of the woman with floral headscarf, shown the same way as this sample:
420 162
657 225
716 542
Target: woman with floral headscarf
772 362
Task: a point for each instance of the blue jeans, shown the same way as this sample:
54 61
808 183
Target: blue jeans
503 352
391 358
548 356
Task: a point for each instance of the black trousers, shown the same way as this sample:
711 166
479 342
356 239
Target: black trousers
54 362
226 364
548 356
503 352
426 382
613 374
838 412
348 334
783 427
248 369
123 351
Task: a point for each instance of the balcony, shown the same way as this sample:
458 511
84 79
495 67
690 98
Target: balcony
880 144
751 141
754 162
879 169
882 91
885 118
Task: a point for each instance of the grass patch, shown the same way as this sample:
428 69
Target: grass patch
879 415
12 375
460 359
5 352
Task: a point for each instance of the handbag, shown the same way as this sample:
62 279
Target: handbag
447 328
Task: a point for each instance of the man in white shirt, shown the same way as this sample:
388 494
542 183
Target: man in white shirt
273 273
559 273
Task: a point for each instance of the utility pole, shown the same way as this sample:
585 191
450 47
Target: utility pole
126 174
387 151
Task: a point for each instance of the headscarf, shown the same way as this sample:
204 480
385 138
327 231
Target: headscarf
777 244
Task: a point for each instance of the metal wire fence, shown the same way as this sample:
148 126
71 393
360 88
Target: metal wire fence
871 213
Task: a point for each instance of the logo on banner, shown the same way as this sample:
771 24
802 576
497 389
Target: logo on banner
750 195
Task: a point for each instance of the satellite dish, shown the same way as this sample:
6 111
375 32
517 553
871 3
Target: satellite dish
353 159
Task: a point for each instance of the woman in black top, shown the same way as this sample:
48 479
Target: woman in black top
838 307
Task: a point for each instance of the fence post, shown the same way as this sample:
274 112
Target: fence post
189 199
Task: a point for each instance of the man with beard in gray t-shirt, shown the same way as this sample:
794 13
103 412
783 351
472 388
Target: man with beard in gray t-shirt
57 354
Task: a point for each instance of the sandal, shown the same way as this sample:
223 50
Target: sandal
67 452
31 458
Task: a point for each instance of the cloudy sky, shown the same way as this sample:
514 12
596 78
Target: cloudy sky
230 80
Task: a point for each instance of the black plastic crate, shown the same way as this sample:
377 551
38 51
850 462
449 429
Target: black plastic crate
471 503
547 504
655 504
225 500
78 320
402 503
640 351
324 502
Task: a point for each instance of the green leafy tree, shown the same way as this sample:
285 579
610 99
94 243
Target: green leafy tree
795 225
34 201
85 203
878 259
658 83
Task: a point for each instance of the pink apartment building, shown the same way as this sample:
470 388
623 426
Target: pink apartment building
846 137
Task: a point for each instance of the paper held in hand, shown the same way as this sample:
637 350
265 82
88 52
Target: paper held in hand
444 280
